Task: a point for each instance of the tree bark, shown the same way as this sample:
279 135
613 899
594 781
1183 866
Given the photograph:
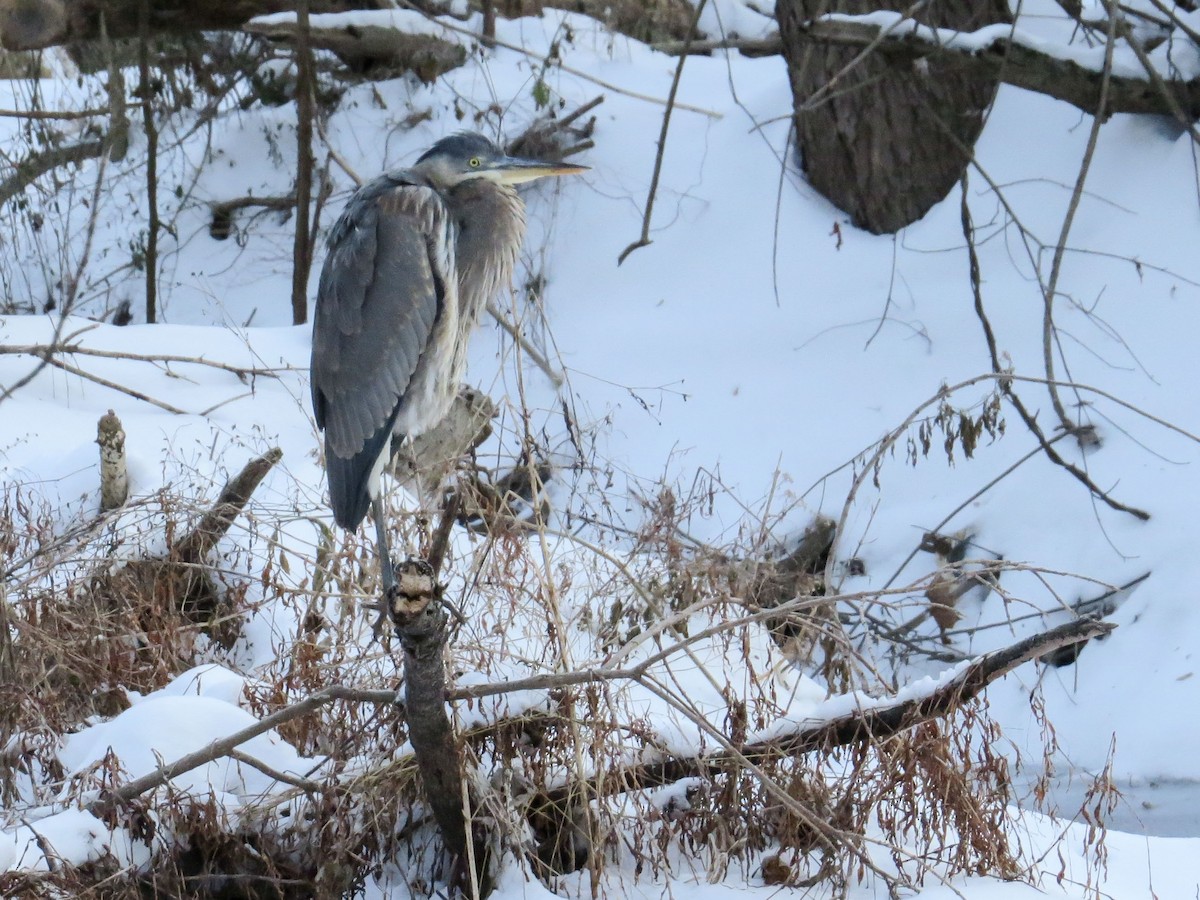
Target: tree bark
882 141
419 618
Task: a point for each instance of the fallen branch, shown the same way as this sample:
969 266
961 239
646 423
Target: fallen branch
562 67
1004 57
49 23
363 46
875 723
42 115
34 166
1001 53
868 724
772 45
201 540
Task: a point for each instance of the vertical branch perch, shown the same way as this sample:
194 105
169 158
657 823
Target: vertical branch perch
420 620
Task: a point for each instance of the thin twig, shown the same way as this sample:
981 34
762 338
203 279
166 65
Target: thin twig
301 261
152 225
104 382
535 355
1005 378
74 349
644 240
305 784
1051 288
971 499
337 157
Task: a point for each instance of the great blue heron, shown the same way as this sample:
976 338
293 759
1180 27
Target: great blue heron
413 261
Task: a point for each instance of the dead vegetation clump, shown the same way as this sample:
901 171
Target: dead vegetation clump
683 750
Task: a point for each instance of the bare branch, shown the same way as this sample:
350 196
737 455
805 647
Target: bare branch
146 94
73 349
54 114
362 45
222 747
305 112
212 527
104 382
1049 332
644 239
1006 379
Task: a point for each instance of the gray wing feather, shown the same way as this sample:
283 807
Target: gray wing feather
381 291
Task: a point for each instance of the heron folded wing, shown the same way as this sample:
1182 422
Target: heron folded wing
382 289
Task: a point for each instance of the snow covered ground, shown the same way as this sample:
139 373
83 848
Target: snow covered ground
750 354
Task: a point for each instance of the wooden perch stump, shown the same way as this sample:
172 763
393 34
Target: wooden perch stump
419 618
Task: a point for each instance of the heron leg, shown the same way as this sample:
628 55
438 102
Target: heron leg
381 547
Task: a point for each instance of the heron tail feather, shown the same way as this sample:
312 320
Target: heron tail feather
354 480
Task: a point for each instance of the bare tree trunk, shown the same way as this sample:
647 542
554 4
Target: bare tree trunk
885 141
301 261
146 93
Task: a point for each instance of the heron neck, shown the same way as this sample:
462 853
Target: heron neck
490 221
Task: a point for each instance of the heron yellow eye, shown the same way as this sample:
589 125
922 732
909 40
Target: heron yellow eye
474 162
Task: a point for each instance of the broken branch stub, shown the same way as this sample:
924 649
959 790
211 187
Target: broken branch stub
114 477
426 461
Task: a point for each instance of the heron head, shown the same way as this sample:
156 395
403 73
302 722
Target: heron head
467 155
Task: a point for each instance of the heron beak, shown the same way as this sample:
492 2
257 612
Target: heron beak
515 170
